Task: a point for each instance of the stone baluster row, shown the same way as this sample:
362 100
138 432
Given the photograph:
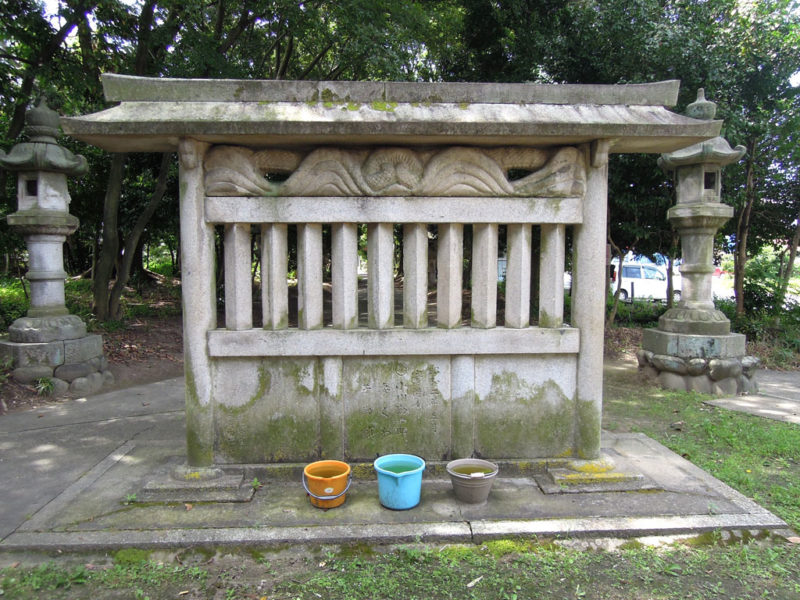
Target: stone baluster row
380 254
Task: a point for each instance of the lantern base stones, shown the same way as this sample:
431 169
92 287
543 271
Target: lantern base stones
706 364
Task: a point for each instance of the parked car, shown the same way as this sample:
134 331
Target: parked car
644 281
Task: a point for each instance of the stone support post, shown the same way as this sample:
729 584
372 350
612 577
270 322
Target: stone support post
274 290
588 305
449 256
198 287
518 276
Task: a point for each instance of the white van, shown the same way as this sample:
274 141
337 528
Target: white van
645 281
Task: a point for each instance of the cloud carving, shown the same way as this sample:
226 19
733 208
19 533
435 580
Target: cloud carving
455 171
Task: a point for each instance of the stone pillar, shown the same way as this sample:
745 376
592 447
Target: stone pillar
588 280
49 343
693 348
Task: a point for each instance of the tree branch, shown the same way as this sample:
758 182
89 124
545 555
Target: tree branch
316 60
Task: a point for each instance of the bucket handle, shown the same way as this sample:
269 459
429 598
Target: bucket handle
313 495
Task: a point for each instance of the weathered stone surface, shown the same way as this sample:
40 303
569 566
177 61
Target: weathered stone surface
165 110
747 385
672 381
522 407
268 410
673 364
47 329
396 171
750 365
79 386
396 403
700 383
83 349
72 371
696 366
49 354
31 374
648 373
86 386
695 321
644 357
60 387
257 395
95 381
726 387
719 369
108 378
693 346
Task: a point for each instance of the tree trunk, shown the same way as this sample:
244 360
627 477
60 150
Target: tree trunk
743 229
784 284
110 247
132 241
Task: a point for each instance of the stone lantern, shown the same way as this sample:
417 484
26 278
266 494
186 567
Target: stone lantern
49 343
693 347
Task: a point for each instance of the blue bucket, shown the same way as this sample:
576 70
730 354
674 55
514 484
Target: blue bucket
399 480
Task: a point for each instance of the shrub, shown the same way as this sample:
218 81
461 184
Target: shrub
13 302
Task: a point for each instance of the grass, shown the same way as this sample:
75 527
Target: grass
124 579
510 569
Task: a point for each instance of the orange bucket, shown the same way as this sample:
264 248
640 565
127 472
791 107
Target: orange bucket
326 482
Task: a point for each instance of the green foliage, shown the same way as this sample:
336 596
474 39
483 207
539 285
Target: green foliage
13 302
44 386
639 313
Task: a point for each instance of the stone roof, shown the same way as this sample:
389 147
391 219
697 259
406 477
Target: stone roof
155 113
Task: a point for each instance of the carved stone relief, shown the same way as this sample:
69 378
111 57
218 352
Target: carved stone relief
454 171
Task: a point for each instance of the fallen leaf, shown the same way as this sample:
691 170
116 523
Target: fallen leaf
474 582
15 565
791 540
188 506
183 593
677 425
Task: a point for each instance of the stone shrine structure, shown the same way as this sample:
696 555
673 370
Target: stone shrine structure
693 347
49 343
286 160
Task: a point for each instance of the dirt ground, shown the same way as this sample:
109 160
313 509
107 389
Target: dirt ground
146 350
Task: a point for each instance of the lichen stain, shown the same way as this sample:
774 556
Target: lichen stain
280 421
395 406
518 418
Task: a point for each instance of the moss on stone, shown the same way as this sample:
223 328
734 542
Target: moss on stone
587 443
383 106
199 445
517 418
279 422
405 410
131 556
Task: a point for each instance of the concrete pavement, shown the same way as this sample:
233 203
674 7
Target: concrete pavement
778 397
95 474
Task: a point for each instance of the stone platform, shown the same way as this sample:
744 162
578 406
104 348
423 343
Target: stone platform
83 473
